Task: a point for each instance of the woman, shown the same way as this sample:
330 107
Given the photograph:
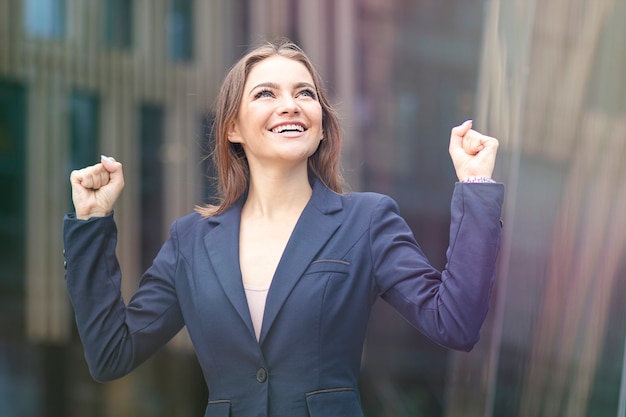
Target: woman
275 283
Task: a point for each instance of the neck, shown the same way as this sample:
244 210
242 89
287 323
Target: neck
274 194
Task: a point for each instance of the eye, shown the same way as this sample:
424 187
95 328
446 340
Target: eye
265 93
307 92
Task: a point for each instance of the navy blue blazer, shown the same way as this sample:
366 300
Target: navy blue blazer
345 251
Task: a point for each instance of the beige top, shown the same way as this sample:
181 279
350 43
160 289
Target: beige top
256 296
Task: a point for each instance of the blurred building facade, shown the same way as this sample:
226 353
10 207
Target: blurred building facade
136 79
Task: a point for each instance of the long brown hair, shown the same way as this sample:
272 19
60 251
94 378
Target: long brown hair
233 173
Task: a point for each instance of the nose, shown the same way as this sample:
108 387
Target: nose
288 105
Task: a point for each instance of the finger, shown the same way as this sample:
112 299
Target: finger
472 142
113 168
109 163
92 177
491 143
86 178
101 178
457 134
75 177
475 142
96 177
489 149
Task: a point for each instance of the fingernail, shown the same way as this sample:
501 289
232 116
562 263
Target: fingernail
106 159
468 121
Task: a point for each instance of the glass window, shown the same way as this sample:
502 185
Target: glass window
179 28
45 18
84 130
84 125
118 24
152 125
242 12
12 206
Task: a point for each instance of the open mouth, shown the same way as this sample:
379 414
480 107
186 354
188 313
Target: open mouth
289 128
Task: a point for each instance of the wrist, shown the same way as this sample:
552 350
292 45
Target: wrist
478 180
87 216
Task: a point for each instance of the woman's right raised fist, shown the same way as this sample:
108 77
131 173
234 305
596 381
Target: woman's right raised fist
96 188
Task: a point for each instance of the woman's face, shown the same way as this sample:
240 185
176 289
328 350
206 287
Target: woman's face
279 122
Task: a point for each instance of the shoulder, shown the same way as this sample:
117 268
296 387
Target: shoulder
368 201
329 201
188 224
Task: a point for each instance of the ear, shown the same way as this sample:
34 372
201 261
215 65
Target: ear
233 133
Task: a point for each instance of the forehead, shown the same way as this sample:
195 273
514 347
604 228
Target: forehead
279 69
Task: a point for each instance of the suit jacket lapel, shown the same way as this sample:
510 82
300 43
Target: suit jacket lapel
222 245
314 228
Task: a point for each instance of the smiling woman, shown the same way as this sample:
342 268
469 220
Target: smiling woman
275 285
279 120
229 157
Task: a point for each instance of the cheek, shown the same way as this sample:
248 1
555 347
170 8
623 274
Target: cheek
322 126
318 118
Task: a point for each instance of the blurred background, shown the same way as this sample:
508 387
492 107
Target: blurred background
136 79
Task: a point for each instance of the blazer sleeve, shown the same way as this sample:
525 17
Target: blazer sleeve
449 306
117 338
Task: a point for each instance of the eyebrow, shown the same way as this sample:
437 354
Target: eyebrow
276 86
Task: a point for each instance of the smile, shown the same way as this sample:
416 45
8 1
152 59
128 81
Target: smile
288 128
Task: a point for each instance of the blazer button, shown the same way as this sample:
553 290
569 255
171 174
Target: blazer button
261 375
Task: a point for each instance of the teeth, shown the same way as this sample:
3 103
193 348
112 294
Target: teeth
282 128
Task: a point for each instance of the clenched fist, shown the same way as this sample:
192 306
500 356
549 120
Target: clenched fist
96 188
473 154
